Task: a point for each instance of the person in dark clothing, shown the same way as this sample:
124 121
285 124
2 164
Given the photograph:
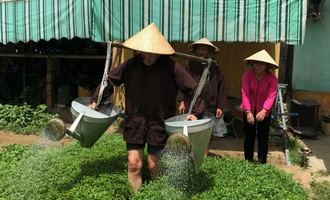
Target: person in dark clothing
213 94
151 80
259 90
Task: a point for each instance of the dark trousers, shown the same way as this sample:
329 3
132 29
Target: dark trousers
261 129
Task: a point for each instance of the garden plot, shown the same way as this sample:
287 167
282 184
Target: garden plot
72 172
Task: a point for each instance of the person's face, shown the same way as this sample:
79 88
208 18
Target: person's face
149 58
259 67
202 50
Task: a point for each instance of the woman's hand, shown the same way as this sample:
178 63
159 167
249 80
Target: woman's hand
250 118
92 105
181 107
261 115
191 118
218 113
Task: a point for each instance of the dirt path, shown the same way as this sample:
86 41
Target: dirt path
320 147
7 138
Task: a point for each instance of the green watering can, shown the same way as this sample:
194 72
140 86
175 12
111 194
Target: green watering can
89 124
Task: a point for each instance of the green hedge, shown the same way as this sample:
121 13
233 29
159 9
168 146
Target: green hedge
23 119
73 172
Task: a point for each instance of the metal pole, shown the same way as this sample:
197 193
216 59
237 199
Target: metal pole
284 127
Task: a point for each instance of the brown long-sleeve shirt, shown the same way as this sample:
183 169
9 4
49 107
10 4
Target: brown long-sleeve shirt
150 96
213 94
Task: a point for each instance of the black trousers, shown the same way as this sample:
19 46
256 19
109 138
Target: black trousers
261 129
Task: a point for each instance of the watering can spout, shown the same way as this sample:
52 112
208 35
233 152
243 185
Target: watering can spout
88 126
72 130
75 135
56 130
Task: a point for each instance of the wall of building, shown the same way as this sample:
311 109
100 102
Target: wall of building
311 60
311 64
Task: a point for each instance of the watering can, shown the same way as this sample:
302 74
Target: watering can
88 125
198 133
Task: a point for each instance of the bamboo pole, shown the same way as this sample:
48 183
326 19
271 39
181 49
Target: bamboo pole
176 54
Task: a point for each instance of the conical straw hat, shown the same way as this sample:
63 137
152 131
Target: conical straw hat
149 40
262 56
205 41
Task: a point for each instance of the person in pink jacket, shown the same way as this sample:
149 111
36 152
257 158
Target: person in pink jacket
259 90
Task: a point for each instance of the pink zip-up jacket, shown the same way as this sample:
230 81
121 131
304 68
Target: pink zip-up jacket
258 95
